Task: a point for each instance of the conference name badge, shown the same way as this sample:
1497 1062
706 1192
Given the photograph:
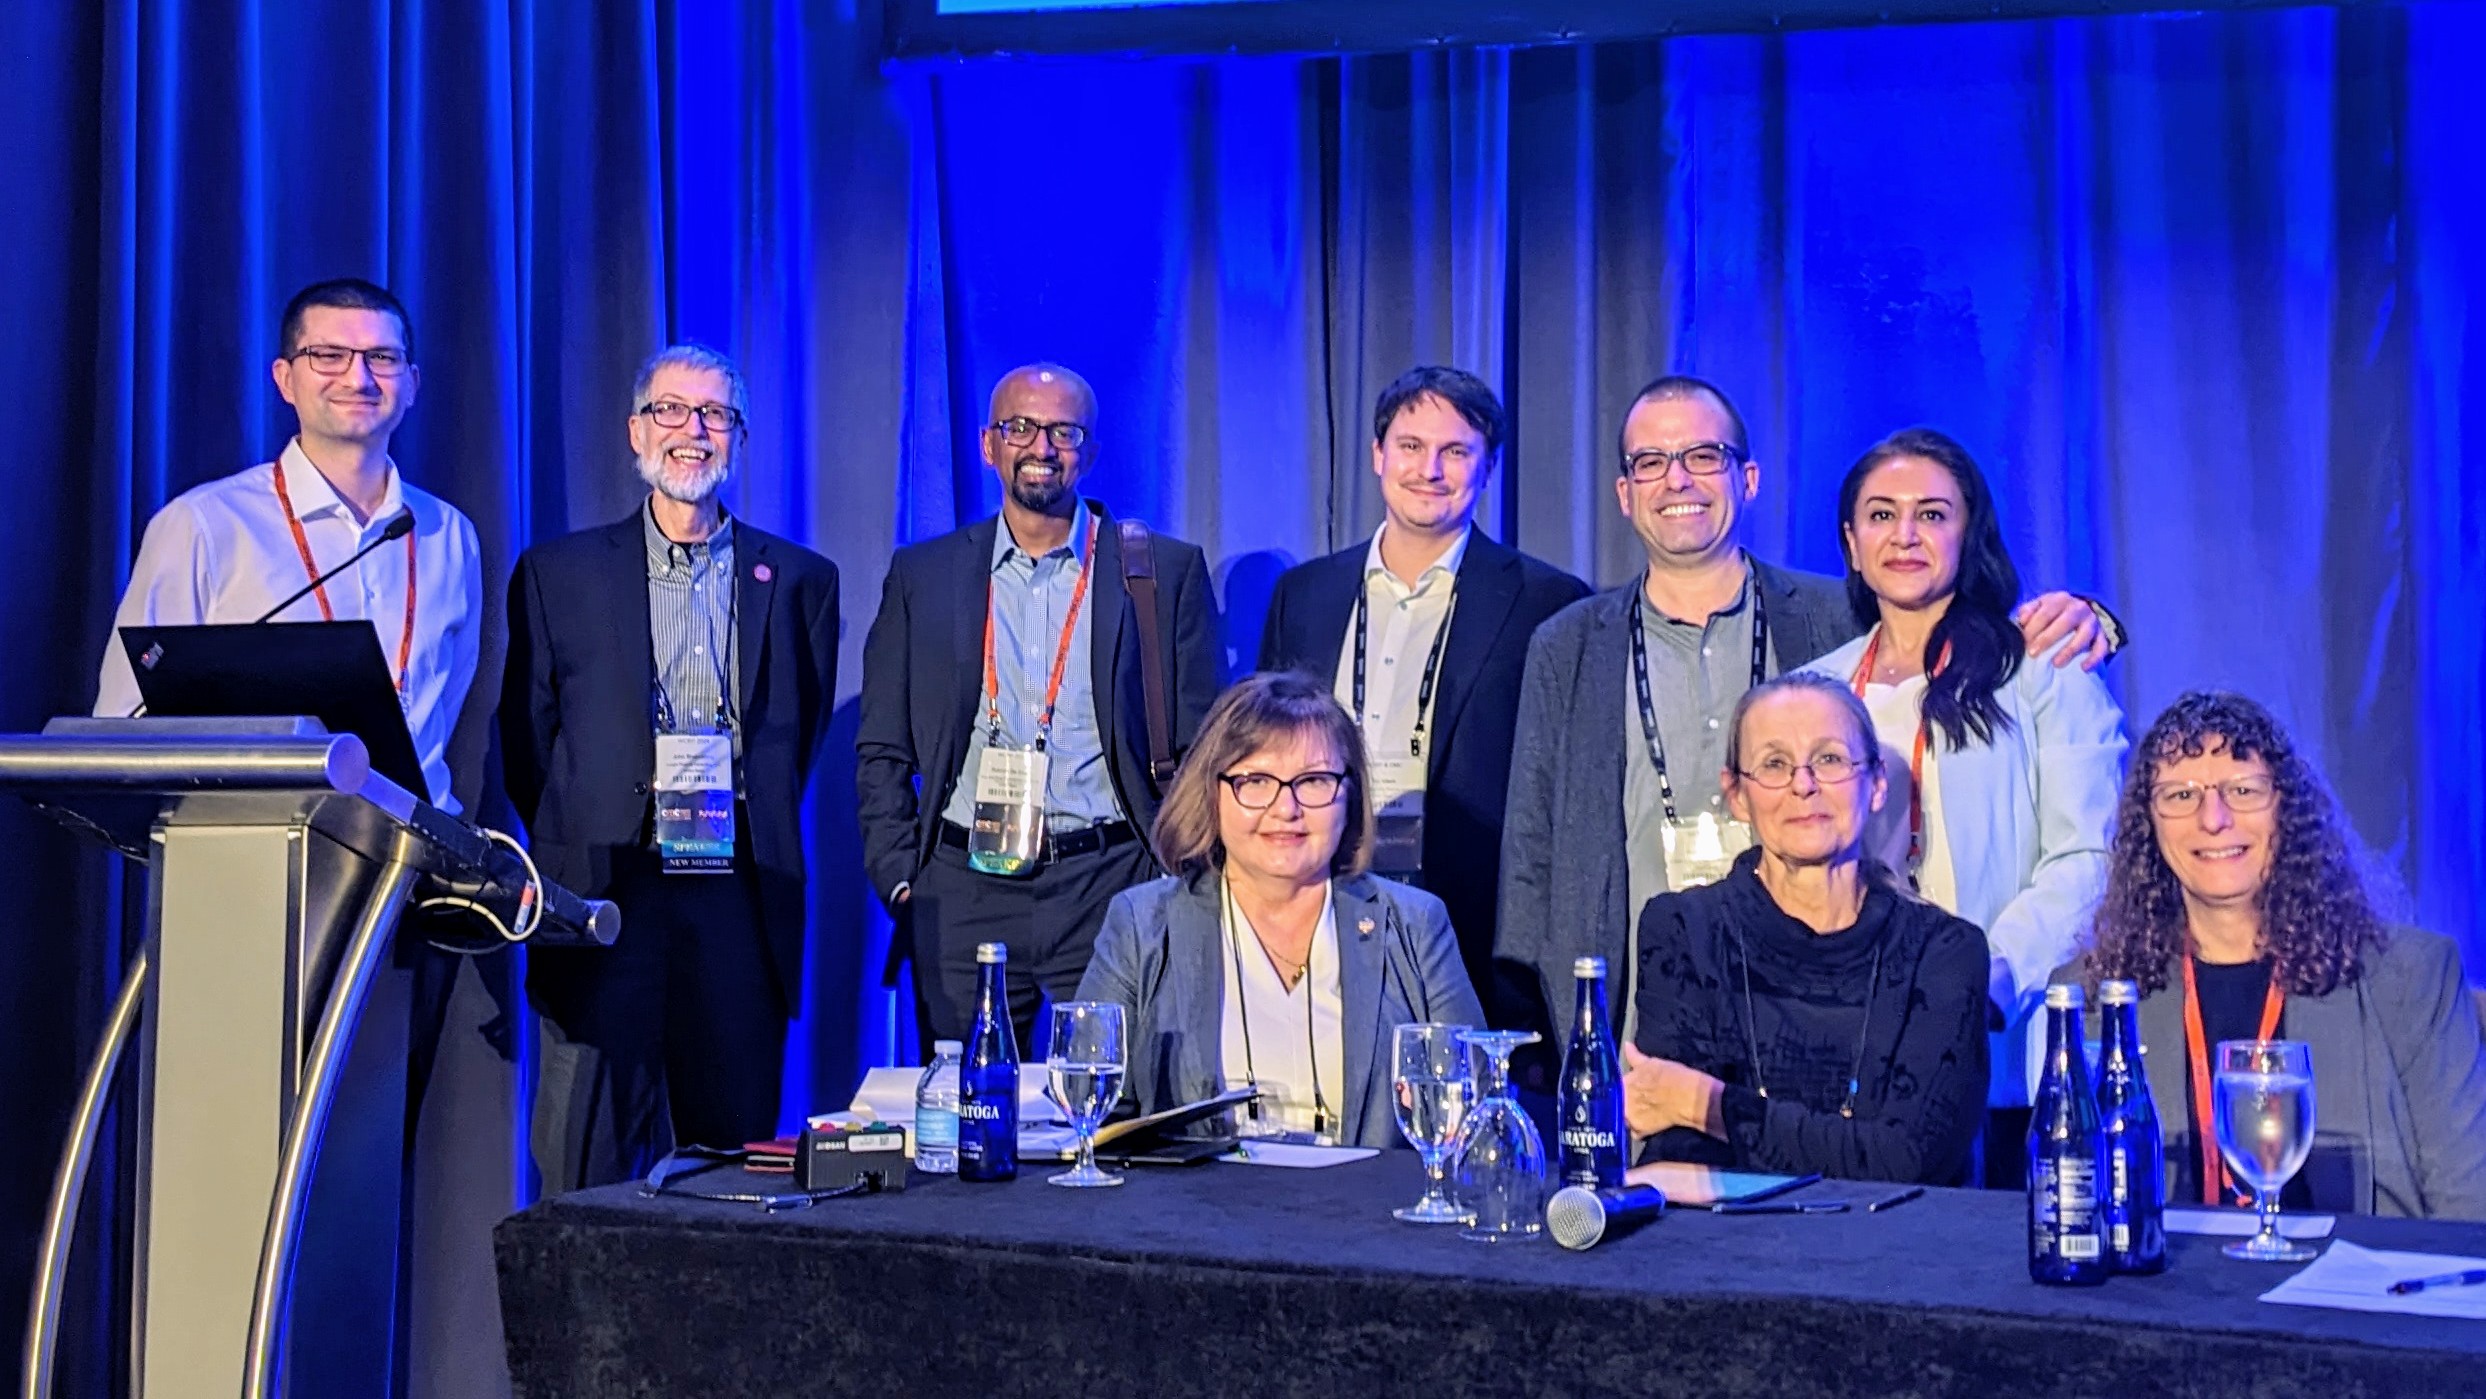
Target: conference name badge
1702 850
1008 835
1398 816
695 803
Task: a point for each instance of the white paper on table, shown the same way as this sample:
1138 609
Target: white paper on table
2244 1224
2359 1280
1297 1157
889 1095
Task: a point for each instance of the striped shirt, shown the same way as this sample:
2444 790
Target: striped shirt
690 613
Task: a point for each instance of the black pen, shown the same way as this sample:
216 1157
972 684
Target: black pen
2468 1279
1784 1207
1892 1202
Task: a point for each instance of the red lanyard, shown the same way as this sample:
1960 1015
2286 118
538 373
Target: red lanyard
1061 652
310 569
2216 1185
1916 758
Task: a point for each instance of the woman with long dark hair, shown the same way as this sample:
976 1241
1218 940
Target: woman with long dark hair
2233 901
2003 774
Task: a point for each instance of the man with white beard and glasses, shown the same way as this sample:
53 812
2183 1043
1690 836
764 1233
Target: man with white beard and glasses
670 676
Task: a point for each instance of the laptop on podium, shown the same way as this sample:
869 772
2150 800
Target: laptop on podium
331 671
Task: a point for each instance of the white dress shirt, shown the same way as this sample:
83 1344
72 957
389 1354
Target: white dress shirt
1402 622
1897 710
222 552
1284 1038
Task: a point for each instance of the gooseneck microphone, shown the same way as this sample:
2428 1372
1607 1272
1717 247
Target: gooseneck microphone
1579 1217
399 526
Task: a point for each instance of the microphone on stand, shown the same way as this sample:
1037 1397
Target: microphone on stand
400 525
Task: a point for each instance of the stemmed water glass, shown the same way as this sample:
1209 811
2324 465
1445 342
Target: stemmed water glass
1434 1087
2264 1123
1501 1168
1084 1059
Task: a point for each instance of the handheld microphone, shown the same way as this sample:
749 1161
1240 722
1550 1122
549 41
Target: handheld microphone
1579 1217
400 525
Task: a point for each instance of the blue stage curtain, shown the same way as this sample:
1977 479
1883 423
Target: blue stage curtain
2203 292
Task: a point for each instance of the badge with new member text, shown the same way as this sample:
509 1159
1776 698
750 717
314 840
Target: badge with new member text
695 803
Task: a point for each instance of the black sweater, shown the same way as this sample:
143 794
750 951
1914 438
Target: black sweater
1922 1081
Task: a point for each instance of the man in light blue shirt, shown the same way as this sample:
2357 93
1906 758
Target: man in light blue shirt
1012 635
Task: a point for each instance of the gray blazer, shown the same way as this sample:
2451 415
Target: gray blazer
1563 864
1158 955
2399 1082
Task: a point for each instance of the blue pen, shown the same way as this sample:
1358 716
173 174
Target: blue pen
2468 1279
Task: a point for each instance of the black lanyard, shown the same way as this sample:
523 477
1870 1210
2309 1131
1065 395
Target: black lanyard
666 720
1322 1119
1640 679
1424 686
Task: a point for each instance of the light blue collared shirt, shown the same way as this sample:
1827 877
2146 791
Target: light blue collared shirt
1030 596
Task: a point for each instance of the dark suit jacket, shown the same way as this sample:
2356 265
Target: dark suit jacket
1563 865
923 675
1503 595
578 733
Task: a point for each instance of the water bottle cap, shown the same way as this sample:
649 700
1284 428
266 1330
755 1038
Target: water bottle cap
2118 993
991 953
1589 966
948 1047
2064 998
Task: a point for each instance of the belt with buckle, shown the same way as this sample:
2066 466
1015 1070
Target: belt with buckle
1060 845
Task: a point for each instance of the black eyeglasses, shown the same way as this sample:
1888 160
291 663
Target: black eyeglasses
1021 432
718 418
384 362
1777 771
1701 459
1258 791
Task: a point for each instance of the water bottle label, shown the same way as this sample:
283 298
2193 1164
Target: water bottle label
2119 1188
981 1111
936 1130
1587 1139
2067 1208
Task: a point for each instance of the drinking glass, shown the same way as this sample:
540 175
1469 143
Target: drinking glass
2264 1122
1434 1087
1501 1170
1084 1059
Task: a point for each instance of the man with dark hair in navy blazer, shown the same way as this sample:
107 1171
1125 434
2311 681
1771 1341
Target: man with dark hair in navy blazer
670 676
1424 632
1009 659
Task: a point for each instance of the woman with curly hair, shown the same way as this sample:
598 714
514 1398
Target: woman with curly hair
2234 903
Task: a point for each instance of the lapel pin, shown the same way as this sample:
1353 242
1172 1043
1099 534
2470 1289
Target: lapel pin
1363 927
759 572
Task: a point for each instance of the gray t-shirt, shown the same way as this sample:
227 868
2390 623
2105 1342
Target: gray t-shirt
1696 674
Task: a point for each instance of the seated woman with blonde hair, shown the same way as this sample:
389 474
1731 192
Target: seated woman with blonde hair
1270 957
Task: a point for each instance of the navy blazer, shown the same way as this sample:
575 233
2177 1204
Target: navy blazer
1158 955
577 730
1503 595
923 674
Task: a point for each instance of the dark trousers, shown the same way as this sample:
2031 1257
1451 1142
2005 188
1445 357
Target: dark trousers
676 1033
1048 921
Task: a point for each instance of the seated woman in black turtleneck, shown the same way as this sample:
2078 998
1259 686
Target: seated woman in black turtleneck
1804 1014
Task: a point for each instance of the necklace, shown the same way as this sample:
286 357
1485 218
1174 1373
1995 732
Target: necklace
1752 1035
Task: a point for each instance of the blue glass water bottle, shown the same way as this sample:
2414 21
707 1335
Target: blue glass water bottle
1592 1131
988 1082
2067 1241
2134 1199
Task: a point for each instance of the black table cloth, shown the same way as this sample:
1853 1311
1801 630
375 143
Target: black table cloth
1241 1280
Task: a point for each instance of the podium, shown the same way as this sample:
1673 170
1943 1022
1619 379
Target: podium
279 865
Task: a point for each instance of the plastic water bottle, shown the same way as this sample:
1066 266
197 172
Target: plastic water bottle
2067 1238
1591 1134
2136 1156
988 1078
936 1111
